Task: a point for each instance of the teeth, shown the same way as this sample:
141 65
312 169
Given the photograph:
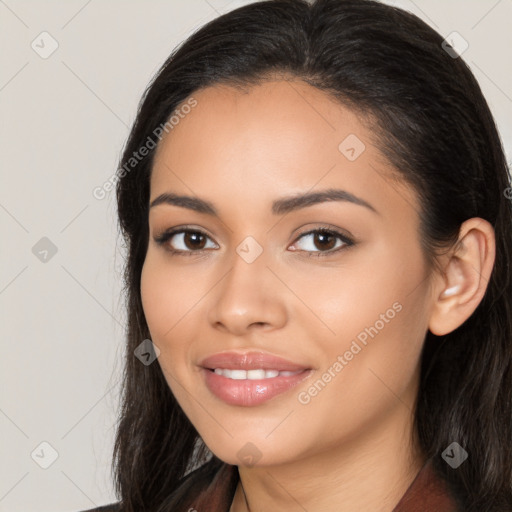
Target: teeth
287 374
252 374
259 374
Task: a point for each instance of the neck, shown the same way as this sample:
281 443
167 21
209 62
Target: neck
371 472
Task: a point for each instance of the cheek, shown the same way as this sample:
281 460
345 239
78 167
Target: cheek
351 297
170 299
167 297
155 299
377 316
159 296
370 369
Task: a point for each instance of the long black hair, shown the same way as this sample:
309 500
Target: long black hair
434 126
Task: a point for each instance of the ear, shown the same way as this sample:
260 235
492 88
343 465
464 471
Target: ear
465 277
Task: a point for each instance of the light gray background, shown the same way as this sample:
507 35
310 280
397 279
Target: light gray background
64 120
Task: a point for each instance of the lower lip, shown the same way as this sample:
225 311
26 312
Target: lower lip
249 393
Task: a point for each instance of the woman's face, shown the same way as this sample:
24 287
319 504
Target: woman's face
349 308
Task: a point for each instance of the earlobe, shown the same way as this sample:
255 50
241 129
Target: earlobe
466 275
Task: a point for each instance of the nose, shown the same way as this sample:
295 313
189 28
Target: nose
248 297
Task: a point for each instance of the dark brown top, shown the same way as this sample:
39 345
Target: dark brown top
211 488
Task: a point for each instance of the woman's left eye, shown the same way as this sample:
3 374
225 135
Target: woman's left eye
193 241
326 240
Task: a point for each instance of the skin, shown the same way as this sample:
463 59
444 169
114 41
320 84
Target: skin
352 446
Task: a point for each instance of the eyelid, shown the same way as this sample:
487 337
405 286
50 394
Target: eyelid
167 234
163 237
347 240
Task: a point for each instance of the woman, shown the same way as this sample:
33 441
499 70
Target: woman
375 375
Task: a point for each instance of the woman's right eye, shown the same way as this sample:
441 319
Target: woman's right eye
184 241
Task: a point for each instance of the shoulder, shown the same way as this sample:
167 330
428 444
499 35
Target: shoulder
209 487
113 507
430 491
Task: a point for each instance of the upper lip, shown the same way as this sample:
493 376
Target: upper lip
250 361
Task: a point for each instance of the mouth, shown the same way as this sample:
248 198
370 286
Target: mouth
250 361
250 379
257 374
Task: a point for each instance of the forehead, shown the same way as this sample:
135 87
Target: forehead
280 114
279 135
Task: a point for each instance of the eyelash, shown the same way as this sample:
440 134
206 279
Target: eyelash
164 237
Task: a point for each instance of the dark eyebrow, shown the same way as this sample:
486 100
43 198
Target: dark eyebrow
289 204
279 207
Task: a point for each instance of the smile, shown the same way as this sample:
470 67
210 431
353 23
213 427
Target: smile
256 374
249 388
